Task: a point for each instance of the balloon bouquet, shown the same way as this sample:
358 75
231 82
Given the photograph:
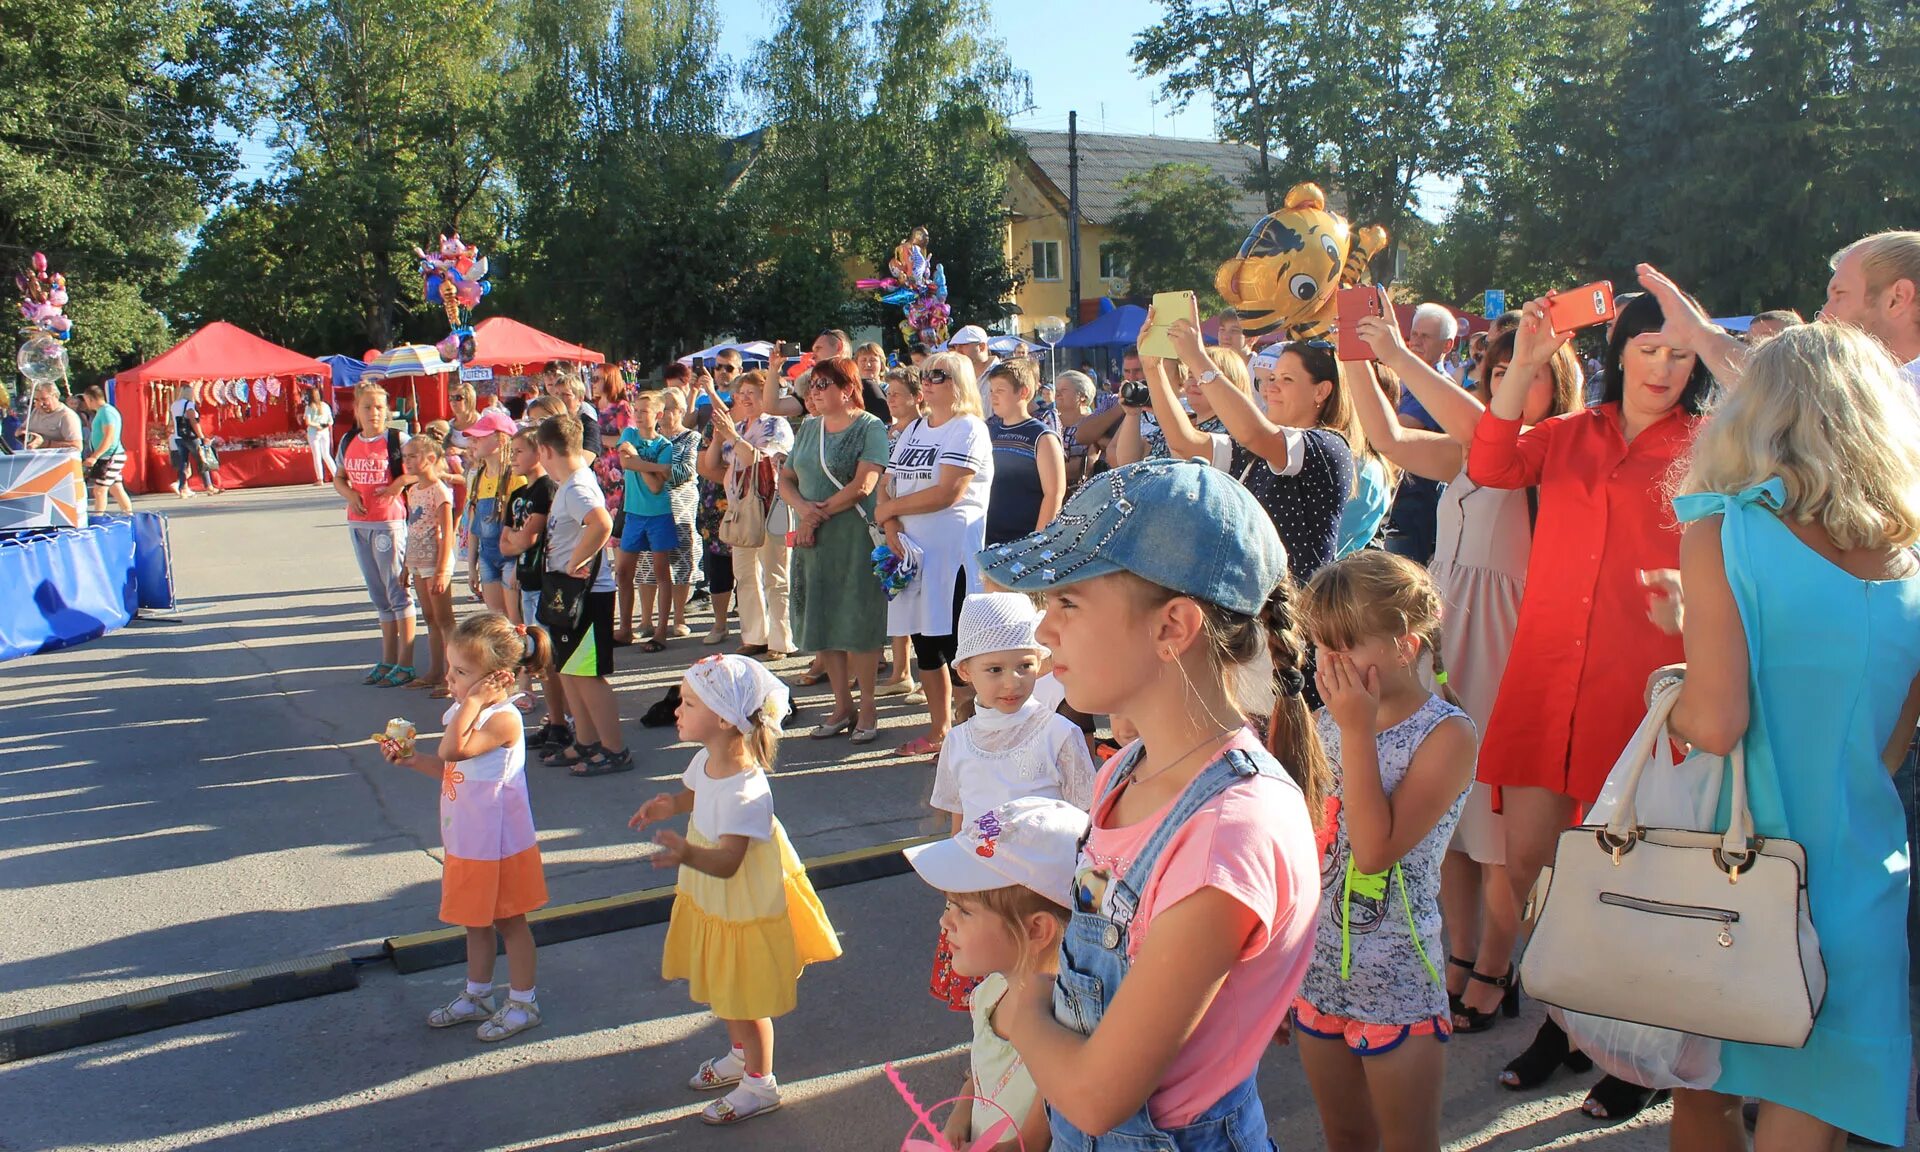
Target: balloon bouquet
1293 263
42 358
455 277
916 283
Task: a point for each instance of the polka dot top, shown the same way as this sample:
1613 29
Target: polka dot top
1305 507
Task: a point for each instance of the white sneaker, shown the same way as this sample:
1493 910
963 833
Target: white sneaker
463 1009
743 1103
514 1017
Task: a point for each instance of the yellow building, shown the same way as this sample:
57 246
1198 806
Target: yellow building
1037 211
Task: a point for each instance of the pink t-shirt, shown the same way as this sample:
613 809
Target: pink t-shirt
364 464
1254 841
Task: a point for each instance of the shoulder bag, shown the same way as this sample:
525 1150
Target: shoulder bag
1697 931
744 523
563 597
874 533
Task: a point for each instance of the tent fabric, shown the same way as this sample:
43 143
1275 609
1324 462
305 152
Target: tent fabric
346 370
223 350
500 342
69 585
409 360
1120 326
750 350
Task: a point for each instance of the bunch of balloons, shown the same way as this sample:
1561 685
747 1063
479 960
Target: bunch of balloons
915 282
455 277
42 358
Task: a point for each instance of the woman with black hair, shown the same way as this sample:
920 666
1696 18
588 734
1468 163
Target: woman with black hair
1586 643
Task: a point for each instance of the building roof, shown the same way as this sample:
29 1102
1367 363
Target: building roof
1106 160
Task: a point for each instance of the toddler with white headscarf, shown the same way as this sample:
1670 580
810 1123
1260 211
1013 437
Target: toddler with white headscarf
745 919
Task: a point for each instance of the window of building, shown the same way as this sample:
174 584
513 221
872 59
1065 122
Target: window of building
1046 260
1113 265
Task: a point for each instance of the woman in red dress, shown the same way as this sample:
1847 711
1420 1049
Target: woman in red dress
1573 690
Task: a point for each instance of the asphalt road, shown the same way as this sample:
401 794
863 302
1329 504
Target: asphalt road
194 795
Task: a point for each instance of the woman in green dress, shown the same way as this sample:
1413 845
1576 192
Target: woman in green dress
827 483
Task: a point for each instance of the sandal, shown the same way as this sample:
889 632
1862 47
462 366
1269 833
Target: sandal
462 1009
425 684
440 692
1467 1021
653 645
809 679
1453 998
377 673
1549 1052
571 756
1618 1101
622 639
724 1111
605 763
501 1024
400 676
709 1078
920 746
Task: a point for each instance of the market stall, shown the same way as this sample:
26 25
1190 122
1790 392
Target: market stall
248 391
508 354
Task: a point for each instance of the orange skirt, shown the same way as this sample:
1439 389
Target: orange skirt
476 893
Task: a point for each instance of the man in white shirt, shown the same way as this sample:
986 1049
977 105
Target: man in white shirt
1876 287
971 342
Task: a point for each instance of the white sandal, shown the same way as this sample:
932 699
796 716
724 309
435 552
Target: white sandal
498 1027
457 1011
724 1111
709 1078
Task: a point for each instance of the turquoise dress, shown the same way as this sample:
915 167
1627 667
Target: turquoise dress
1832 658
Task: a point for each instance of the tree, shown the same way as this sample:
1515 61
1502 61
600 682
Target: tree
1173 222
111 122
1216 50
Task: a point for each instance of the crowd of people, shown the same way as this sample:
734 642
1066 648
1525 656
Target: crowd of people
1367 636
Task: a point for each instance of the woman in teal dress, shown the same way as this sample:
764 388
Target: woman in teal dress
828 480
1802 627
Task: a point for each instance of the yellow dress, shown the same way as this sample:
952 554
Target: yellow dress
741 943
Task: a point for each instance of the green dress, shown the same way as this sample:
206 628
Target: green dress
837 603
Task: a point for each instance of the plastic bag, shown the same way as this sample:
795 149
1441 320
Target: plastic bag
1687 796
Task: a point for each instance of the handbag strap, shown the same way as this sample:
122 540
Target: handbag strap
837 482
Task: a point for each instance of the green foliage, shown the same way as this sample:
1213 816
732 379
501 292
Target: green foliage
1173 224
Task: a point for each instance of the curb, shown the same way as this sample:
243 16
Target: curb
442 947
146 1009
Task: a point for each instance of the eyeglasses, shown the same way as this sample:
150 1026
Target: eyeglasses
727 368
936 376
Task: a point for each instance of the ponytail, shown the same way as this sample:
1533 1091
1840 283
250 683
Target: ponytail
763 742
537 653
1291 735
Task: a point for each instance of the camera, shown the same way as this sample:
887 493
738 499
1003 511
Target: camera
1135 394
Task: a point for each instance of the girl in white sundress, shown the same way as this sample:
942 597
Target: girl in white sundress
1371 1016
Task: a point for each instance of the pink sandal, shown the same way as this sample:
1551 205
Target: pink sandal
920 746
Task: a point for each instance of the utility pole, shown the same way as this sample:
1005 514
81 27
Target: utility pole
1073 220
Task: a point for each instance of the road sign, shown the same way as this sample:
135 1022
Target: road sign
1496 303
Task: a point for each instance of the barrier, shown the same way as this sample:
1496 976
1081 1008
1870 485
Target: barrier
64 586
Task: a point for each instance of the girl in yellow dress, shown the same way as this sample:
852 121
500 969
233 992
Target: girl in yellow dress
745 919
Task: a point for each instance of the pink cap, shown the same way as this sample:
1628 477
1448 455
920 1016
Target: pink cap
493 419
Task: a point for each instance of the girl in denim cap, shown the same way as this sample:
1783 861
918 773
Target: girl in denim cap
1197 890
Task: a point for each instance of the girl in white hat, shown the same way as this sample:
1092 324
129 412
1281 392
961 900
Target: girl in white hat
739 876
1015 744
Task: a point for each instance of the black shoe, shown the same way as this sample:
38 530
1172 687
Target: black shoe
1549 1052
548 736
1621 1100
1478 1021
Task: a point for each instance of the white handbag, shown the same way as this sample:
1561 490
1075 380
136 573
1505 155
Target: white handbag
1701 932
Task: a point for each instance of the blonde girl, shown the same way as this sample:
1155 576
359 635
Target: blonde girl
745 920
430 553
493 876
1195 894
488 488
1372 1017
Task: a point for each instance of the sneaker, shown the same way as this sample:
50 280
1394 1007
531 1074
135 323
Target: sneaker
743 1103
513 1018
721 1072
463 1009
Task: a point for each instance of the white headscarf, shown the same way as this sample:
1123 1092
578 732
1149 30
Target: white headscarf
736 687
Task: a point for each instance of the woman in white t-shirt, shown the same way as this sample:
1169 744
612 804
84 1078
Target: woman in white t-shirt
317 418
183 443
934 502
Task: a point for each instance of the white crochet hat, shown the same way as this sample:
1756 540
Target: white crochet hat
997 622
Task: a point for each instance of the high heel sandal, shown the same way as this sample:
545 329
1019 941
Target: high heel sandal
1476 1020
1620 1100
1549 1052
1454 1004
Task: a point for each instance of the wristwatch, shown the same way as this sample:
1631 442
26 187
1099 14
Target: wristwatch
1209 376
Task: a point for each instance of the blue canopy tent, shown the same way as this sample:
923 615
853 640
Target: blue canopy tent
1120 326
1734 323
346 370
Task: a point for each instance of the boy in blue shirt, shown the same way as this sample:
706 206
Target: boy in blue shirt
646 458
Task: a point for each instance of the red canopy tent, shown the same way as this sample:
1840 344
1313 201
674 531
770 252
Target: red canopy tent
502 347
275 451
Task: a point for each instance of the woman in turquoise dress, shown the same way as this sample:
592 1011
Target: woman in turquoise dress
839 610
1802 627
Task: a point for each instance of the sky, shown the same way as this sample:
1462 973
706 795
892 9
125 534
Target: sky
1077 52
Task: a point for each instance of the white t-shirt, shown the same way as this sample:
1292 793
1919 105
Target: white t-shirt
175 411
950 538
737 805
577 495
995 757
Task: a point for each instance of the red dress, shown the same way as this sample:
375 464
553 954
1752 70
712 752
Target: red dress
1574 689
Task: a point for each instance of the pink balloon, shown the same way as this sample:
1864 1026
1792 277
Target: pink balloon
40 262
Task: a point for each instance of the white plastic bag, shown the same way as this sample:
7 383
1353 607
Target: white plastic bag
1685 796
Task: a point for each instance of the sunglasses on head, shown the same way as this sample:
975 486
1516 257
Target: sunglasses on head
936 376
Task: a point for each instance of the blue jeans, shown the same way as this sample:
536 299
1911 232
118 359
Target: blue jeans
1093 963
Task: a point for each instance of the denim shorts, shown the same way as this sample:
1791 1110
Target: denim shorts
492 565
649 534
530 607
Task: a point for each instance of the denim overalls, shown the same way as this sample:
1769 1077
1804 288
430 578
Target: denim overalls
1093 961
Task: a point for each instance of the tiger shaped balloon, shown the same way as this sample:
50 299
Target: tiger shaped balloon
1292 265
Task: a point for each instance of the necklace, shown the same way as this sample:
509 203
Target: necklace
1162 771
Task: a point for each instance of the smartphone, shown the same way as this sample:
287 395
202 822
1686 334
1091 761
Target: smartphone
1581 307
1168 309
1352 306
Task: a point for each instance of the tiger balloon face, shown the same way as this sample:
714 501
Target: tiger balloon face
1292 264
